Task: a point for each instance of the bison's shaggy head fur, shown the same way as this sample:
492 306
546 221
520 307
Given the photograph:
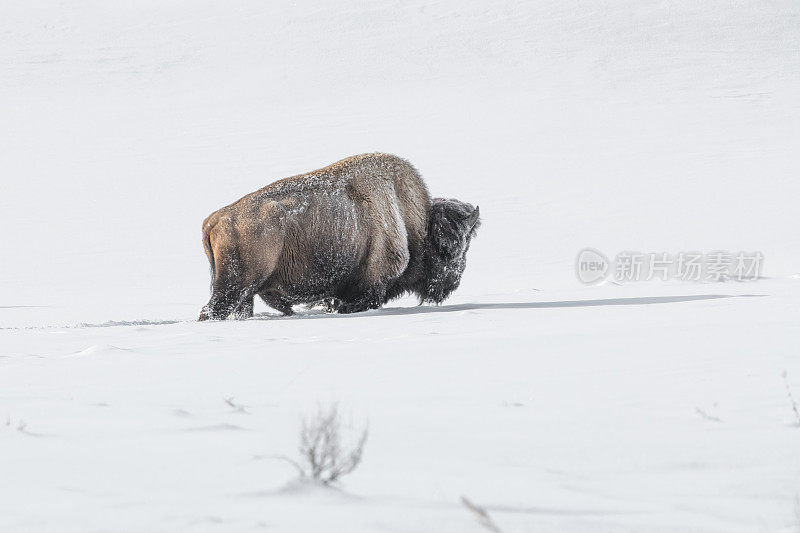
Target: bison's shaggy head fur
451 226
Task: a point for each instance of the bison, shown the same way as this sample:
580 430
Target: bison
352 235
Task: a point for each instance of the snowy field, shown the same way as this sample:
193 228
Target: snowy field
555 406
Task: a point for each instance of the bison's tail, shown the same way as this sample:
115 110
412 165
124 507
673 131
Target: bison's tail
207 226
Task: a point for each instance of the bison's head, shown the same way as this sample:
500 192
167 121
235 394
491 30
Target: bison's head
451 226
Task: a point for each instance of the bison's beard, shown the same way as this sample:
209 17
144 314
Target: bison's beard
441 277
451 227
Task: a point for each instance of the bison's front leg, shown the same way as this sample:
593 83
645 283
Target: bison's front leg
387 260
363 300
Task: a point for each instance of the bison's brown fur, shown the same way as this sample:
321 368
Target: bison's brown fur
353 234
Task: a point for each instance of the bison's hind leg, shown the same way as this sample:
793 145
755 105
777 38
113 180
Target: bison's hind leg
230 294
227 302
220 306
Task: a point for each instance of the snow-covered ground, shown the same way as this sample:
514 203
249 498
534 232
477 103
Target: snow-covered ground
620 125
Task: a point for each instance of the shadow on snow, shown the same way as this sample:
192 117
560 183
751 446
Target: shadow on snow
392 311
421 309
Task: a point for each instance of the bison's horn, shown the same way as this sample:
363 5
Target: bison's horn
473 217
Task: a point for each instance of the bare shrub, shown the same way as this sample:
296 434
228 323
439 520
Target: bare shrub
323 455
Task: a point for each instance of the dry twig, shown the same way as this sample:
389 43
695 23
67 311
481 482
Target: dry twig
481 514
